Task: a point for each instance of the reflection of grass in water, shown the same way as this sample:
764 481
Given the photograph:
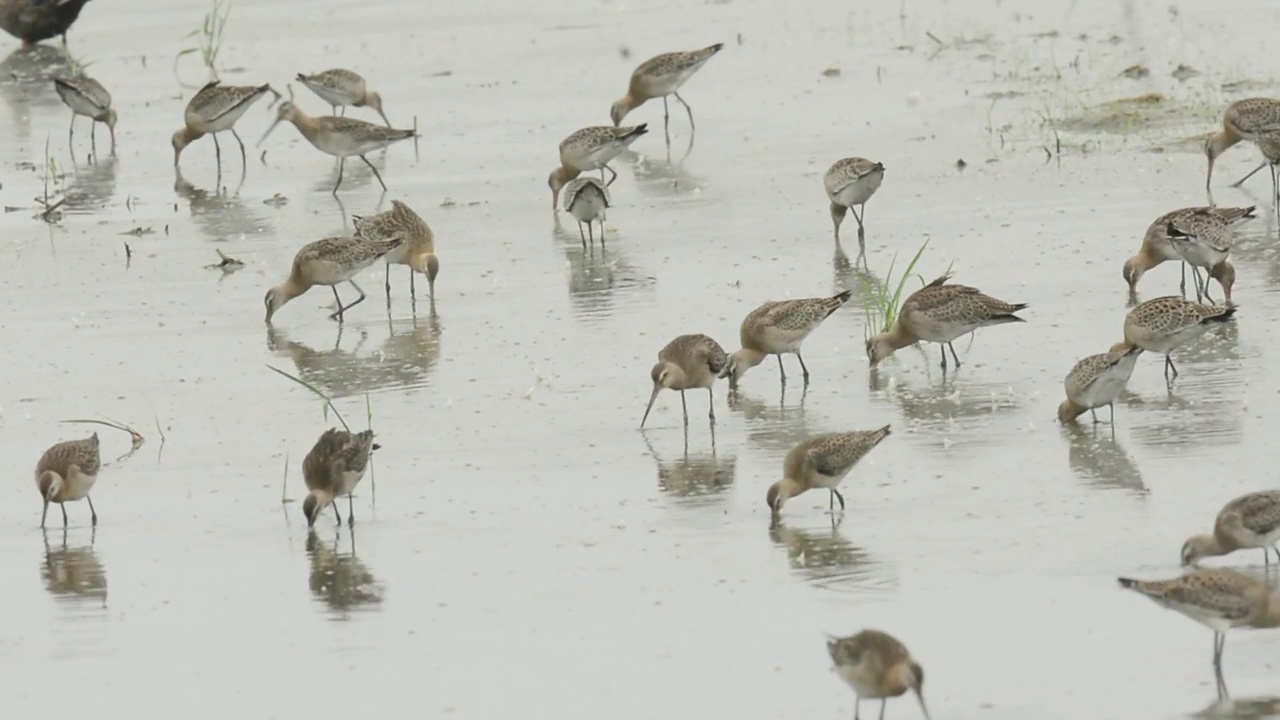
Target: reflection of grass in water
879 306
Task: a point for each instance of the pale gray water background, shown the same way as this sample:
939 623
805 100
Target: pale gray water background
531 554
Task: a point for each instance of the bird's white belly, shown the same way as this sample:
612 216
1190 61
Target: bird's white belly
1168 343
227 120
829 481
331 95
348 482
587 206
1199 254
931 330
77 485
862 682
783 341
1107 387
859 191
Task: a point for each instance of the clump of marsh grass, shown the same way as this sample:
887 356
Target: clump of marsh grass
49 203
879 306
208 39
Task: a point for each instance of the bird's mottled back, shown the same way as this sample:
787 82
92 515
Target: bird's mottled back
800 316
86 87
585 184
848 170
1171 314
336 451
850 650
695 349
1253 115
1089 369
215 100
1258 512
833 454
1202 225
957 304
675 63
1227 594
60 457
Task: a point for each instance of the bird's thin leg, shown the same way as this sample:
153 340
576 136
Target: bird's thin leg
711 404
375 172
93 137
685 408
336 313
1240 182
388 282
781 369
943 350
357 300
591 233
337 514
1182 286
1168 368
342 162
1112 419
688 110
856 216
243 162
602 233
71 131
1094 415
341 109
953 355
583 236
857 707
413 291
883 702
64 514
351 511
613 175
217 152
92 513
803 369
666 122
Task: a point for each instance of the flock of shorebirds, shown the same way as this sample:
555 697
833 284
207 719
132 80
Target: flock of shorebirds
873 663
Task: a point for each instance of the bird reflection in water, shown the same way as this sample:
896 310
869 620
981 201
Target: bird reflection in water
775 428
404 360
340 579
27 75
1254 708
827 559
597 275
698 476
219 215
74 573
1098 458
665 179
91 186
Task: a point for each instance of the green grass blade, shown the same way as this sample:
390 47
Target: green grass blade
328 403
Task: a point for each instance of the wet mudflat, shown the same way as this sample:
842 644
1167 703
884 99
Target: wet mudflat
522 549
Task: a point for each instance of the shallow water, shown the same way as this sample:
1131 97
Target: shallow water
527 551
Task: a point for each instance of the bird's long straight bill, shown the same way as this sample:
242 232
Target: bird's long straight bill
268 132
653 396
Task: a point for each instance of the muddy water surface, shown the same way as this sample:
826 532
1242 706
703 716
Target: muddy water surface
522 550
